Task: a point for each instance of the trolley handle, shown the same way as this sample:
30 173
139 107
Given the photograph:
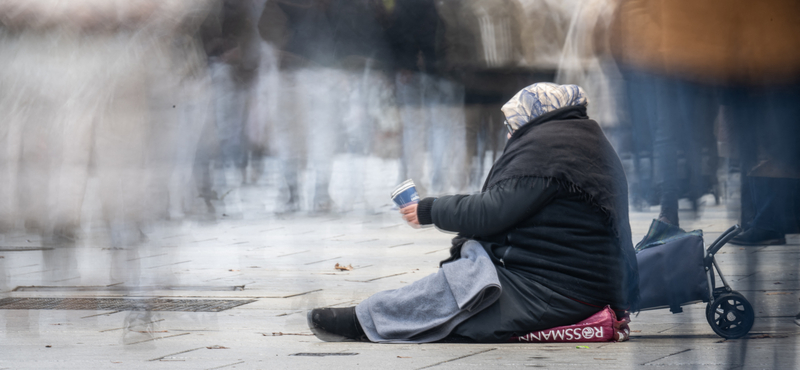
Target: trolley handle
724 238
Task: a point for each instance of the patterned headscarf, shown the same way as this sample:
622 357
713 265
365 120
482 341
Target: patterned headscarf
540 98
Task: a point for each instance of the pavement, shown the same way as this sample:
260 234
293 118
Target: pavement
276 267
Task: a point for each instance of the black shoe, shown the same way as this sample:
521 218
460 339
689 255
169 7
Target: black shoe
759 236
336 325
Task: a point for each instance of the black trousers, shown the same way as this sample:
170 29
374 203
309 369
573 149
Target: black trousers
523 307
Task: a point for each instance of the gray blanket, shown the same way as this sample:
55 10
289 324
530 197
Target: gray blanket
429 309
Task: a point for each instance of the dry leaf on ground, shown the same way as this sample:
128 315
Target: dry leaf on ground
343 267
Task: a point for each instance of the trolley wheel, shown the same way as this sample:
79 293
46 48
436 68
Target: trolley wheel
730 315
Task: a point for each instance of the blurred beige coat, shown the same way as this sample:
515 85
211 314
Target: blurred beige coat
100 82
712 41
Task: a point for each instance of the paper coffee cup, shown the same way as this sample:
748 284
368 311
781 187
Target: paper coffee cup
405 194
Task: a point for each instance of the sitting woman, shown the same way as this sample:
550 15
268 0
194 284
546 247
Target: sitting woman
546 243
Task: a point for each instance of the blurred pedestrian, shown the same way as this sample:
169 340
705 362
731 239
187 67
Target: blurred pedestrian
688 57
82 75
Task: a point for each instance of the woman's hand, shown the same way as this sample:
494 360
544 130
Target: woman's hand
410 215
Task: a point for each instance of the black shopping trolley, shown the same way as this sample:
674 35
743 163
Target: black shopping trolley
675 270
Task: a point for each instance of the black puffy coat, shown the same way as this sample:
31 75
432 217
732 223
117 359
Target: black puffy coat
553 210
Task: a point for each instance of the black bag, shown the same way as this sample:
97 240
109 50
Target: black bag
671 271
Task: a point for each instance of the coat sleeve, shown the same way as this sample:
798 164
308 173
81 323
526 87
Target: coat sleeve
501 208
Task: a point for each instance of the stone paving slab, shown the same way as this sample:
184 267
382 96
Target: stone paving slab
286 264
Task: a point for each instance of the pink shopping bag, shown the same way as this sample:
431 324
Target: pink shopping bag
600 327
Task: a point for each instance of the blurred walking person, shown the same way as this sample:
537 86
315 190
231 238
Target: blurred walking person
78 80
